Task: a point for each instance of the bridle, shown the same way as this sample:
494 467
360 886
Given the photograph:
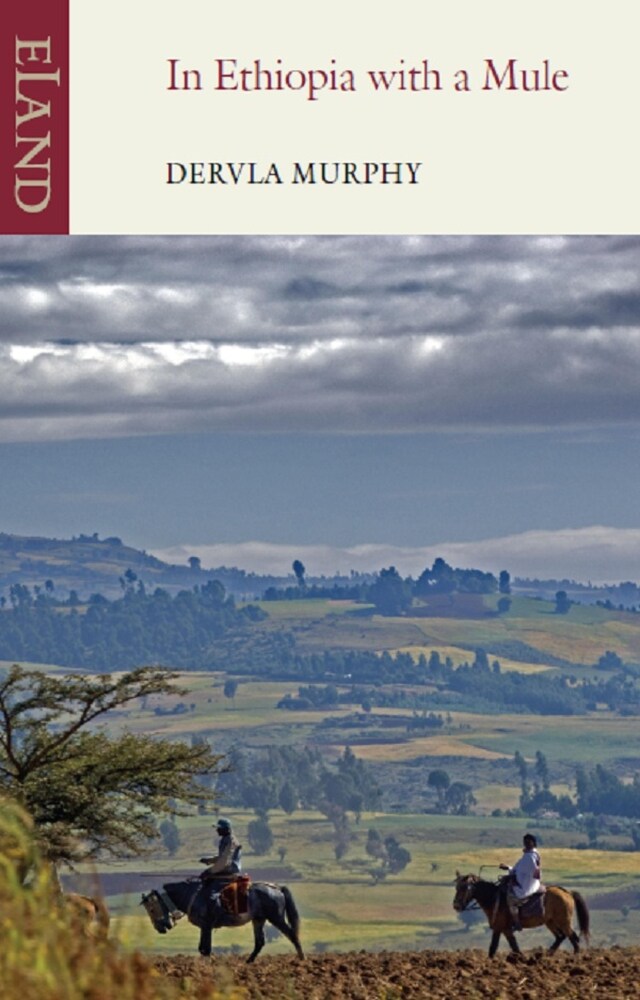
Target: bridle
465 884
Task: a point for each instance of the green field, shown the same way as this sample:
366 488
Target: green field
344 909
580 637
602 737
342 904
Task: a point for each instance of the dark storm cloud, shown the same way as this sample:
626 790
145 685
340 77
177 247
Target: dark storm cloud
128 335
608 309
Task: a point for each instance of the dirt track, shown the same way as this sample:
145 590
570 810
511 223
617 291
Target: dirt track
611 974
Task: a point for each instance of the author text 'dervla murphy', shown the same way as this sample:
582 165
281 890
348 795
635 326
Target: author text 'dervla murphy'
310 173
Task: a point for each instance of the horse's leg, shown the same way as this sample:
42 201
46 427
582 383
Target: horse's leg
559 938
495 941
511 938
258 939
205 940
284 928
558 913
569 931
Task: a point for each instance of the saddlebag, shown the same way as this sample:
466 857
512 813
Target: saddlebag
234 896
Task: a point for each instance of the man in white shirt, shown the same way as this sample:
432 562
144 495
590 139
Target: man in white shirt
524 878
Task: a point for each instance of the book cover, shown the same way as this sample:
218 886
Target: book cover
319 384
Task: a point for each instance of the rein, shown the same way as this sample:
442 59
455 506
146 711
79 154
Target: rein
475 904
192 900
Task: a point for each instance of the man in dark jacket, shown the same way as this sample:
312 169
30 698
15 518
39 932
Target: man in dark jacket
221 869
227 860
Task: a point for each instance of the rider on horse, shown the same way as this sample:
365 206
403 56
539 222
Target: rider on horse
221 868
227 860
523 879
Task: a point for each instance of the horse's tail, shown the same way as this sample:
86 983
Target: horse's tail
583 915
291 910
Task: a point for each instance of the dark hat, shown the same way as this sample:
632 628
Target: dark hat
531 838
223 824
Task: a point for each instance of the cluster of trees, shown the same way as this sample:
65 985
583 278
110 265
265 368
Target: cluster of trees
444 579
426 720
332 592
484 683
477 684
535 792
288 778
481 683
391 594
600 791
391 855
138 627
454 797
312 698
276 656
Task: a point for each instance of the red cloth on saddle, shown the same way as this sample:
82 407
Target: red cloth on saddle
234 896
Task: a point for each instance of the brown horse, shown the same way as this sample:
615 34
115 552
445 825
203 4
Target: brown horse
558 910
88 915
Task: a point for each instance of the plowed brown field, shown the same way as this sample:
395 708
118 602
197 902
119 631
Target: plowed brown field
611 974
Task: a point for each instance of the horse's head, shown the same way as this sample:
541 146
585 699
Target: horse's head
465 891
159 913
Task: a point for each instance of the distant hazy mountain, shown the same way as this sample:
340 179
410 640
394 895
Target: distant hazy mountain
89 564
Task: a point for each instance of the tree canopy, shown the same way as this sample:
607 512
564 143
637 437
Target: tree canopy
139 627
86 790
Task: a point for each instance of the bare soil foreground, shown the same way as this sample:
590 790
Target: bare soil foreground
608 974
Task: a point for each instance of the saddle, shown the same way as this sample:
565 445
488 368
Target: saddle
533 905
235 896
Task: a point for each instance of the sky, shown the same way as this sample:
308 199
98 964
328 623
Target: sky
355 402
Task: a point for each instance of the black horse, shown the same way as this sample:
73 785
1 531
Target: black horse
194 898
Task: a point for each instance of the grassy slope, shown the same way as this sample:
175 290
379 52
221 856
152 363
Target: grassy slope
581 636
341 906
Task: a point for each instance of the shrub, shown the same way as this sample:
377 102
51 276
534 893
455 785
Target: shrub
45 955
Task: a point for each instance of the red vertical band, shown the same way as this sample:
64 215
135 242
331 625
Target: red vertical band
34 116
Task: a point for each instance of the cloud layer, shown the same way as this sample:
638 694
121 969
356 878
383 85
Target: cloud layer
115 336
599 554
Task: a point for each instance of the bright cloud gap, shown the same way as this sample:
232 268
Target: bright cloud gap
598 554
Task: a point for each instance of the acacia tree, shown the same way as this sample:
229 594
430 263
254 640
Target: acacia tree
88 791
